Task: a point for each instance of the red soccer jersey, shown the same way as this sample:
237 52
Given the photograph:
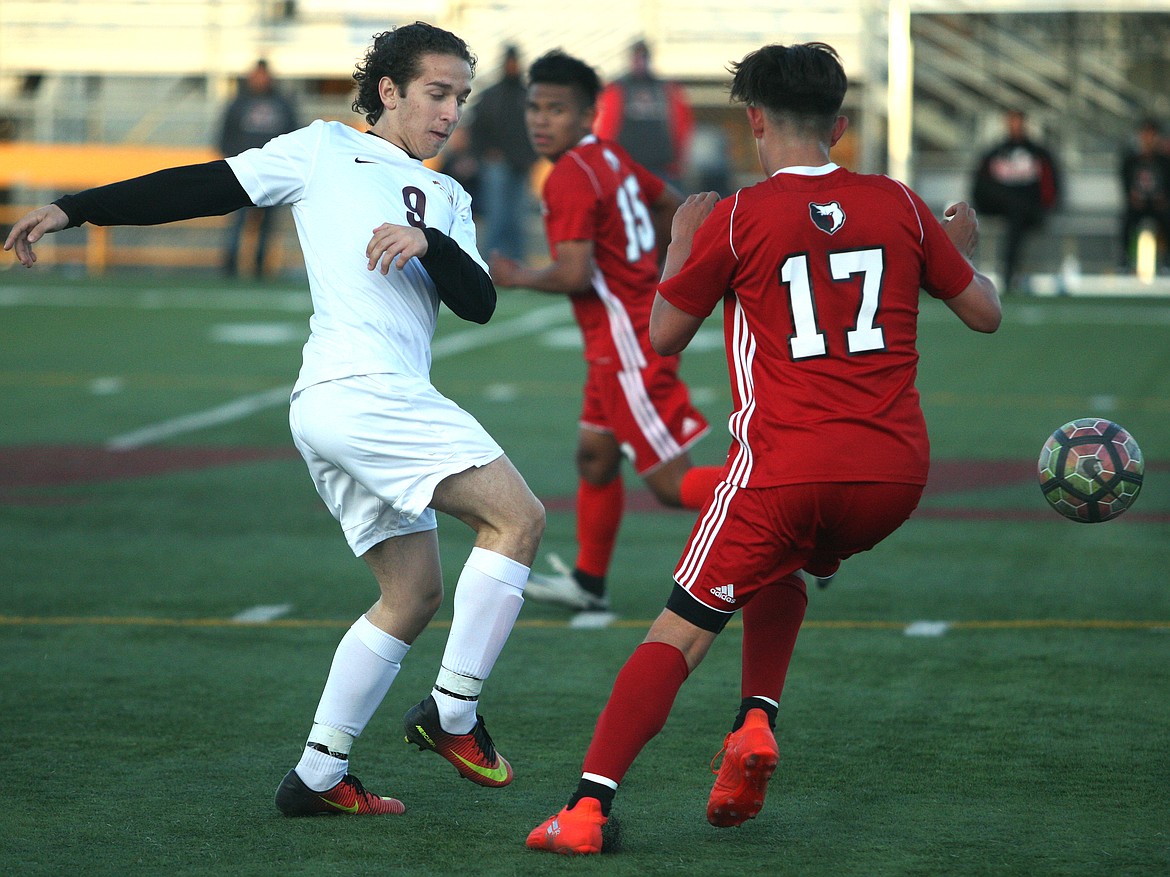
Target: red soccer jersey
820 271
596 192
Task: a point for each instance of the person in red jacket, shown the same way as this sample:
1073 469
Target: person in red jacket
650 117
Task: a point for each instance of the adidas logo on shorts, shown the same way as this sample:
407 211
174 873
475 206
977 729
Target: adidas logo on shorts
726 593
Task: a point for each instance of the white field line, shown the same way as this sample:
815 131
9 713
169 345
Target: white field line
262 614
158 299
238 409
927 628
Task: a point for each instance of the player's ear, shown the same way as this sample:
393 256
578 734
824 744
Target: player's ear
838 129
756 121
388 92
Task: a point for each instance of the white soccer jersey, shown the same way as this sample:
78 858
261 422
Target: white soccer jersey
342 184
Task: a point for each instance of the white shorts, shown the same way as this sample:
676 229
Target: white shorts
378 445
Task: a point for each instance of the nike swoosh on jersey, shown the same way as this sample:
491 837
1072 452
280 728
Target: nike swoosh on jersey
364 161
498 774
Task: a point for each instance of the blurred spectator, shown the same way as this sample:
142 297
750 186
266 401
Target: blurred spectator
649 117
1145 184
710 159
1018 180
499 141
258 113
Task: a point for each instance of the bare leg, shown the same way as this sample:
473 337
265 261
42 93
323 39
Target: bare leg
411 583
508 521
496 503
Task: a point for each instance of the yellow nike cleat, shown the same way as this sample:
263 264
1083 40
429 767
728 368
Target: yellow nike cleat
473 754
348 798
750 756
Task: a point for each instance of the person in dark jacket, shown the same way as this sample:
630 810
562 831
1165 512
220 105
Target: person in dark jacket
1145 186
258 113
1019 181
499 141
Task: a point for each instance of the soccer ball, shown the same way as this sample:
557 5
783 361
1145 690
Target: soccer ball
1091 470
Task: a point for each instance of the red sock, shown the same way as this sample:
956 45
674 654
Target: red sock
637 709
771 621
599 515
698 484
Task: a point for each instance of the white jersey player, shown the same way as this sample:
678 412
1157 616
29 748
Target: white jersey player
384 447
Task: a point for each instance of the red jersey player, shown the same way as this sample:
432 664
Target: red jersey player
819 270
604 215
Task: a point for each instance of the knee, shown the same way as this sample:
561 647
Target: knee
537 523
534 518
521 532
426 603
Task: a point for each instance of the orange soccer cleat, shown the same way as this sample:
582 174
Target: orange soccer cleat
575 832
749 760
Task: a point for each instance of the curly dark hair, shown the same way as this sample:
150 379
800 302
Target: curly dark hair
558 68
397 53
804 81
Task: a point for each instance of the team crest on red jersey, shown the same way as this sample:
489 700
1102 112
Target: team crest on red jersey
827 217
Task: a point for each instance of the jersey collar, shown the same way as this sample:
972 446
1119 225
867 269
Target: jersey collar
806 171
405 152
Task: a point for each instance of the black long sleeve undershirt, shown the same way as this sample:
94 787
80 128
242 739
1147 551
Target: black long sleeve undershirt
462 284
209 189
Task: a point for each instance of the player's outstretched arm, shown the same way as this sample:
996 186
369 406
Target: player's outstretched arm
209 189
30 228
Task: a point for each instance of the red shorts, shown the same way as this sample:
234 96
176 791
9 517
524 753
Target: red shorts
746 539
649 412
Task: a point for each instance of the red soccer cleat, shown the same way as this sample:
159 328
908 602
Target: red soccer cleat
348 798
750 756
575 832
473 754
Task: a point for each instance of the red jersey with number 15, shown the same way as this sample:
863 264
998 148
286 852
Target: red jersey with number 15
819 270
596 192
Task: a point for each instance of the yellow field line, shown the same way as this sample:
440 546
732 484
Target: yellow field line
844 624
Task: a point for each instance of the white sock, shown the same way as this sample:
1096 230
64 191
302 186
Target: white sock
364 666
488 598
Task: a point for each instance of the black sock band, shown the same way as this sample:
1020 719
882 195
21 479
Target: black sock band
466 697
595 585
755 703
589 789
321 747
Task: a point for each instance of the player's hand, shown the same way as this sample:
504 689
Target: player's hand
962 227
504 271
690 216
686 222
30 228
394 245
